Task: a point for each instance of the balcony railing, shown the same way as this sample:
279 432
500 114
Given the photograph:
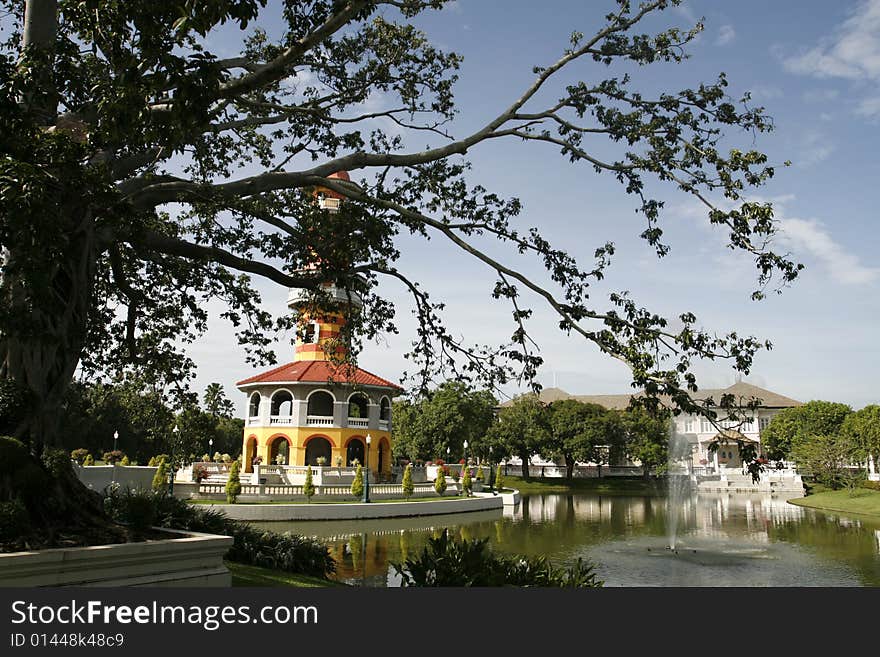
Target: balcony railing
384 425
254 420
359 422
319 421
281 419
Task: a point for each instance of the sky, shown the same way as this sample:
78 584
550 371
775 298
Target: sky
815 67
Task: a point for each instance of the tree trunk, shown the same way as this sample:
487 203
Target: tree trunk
525 465
569 467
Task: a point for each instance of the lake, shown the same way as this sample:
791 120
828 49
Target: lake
722 540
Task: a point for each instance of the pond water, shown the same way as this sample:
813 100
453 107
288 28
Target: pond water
722 540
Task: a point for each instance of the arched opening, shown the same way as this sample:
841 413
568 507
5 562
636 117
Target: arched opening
317 447
384 459
385 409
359 406
354 452
279 451
250 452
321 404
254 405
281 407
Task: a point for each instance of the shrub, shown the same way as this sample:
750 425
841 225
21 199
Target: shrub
440 482
233 483
446 562
159 478
357 486
89 460
113 457
14 520
125 461
455 474
79 455
499 477
226 458
308 486
479 475
206 458
466 485
199 472
407 481
251 546
321 460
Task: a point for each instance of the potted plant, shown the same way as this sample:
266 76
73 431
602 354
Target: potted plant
338 461
321 461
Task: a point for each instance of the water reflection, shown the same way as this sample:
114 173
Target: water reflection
754 539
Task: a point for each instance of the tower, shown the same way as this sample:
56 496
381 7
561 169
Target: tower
314 410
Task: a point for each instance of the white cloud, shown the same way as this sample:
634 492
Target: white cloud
811 236
815 148
766 92
852 51
726 35
820 95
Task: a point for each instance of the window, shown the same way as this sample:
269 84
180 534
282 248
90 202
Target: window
689 425
764 422
705 425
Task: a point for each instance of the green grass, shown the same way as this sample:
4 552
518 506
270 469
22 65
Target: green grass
862 501
243 575
601 486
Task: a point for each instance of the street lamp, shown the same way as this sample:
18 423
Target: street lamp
447 454
175 431
211 447
367 470
115 438
491 473
465 452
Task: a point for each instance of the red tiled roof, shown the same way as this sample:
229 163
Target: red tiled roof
318 371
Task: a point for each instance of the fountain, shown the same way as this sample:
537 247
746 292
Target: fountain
679 483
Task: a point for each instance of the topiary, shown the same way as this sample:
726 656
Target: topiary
308 486
440 482
125 461
357 486
90 460
159 478
499 478
408 487
466 485
233 483
111 458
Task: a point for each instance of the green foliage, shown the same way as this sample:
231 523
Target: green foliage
446 562
442 418
499 477
357 486
825 457
521 430
308 486
125 461
20 476
797 425
233 483
15 403
467 485
89 460
80 455
863 429
287 552
159 479
112 457
216 403
440 481
408 487
646 436
582 432
479 475
14 520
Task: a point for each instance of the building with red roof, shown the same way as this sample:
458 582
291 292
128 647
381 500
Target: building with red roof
318 409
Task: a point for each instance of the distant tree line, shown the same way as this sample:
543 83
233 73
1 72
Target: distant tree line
567 431
827 440
145 421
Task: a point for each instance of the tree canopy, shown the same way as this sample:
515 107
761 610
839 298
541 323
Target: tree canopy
792 426
145 173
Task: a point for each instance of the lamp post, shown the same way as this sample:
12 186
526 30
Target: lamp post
367 470
491 473
464 465
175 431
115 438
211 448
447 454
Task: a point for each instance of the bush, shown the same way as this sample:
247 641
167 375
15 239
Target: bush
199 472
155 460
233 483
206 458
499 478
479 476
440 482
125 461
408 487
218 457
287 552
14 520
159 478
308 486
446 562
466 484
226 458
89 460
79 455
113 457
357 486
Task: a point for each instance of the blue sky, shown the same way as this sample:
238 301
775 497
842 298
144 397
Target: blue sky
814 65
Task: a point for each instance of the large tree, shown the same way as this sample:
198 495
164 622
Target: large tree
646 438
143 174
793 426
521 430
581 432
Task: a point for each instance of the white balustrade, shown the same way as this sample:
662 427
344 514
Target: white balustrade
319 420
384 425
359 422
253 420
281 419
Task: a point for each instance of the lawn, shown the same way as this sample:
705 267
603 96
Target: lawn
600 486
243 575
863 501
